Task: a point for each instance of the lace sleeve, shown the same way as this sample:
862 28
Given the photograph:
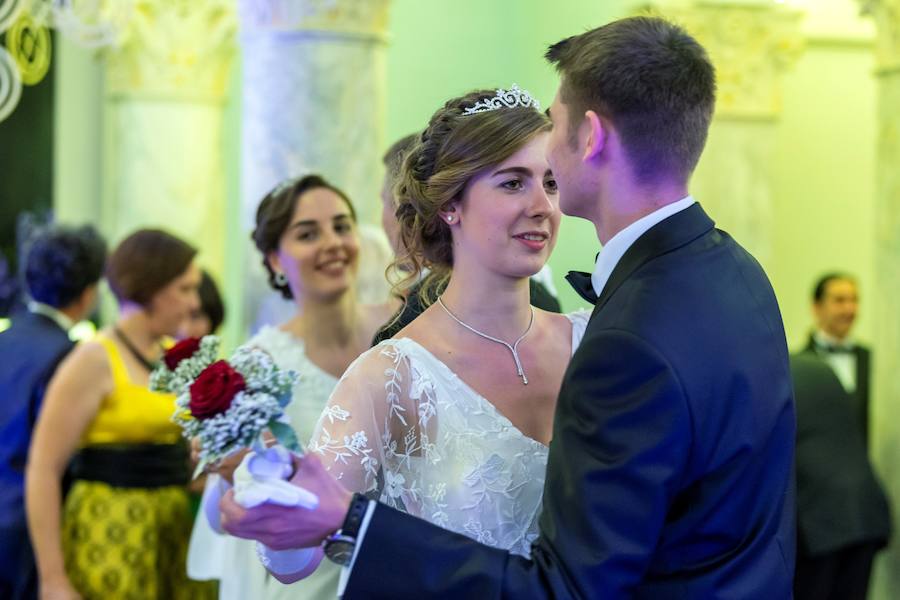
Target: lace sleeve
579 320
369 433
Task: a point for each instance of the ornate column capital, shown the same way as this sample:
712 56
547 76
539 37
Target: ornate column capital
886 14
751 45
175 49
344 18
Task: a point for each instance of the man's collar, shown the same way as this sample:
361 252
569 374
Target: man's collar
822 339
58 317
616 247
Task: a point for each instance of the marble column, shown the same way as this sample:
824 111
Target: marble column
313 101
751 45
883 421
166 74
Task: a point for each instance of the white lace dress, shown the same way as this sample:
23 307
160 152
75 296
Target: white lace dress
403 428
233 561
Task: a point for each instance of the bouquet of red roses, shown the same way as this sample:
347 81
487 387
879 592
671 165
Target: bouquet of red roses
227 405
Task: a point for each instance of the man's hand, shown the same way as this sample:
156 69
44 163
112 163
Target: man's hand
282 527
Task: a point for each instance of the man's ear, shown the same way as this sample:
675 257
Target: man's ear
596 135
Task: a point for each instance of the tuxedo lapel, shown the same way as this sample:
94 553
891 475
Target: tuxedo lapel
862 388
667 235
862 371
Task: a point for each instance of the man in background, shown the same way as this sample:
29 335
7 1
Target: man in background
835 302
62 269
843 518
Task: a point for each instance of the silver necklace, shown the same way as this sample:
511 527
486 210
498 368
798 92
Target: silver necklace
514 348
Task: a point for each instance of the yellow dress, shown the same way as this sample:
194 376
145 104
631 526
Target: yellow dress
127 518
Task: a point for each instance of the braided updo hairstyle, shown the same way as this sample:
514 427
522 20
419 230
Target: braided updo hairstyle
453 149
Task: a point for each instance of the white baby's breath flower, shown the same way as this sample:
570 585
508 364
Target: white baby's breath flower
258 407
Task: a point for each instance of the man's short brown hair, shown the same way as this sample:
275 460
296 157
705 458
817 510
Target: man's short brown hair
652 80
393 157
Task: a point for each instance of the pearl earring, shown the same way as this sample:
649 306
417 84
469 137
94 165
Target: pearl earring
449 219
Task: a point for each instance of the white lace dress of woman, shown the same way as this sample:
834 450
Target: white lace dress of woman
402 428
233 561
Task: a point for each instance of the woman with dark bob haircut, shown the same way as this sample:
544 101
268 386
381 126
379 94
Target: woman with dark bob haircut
122 531
306 234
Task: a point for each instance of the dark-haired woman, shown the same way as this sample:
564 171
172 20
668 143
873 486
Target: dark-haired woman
209 315
307 236
122 532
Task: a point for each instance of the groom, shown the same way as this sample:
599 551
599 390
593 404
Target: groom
670 471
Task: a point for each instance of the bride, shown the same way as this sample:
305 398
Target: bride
450 420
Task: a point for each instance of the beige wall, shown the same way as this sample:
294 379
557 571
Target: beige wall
823 175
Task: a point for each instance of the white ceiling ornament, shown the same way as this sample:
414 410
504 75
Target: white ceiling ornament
93 23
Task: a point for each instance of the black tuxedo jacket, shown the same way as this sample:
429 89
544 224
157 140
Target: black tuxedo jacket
860 396
30 351
839 499
670 470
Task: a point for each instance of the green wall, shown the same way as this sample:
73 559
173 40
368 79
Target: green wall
822 165
438 50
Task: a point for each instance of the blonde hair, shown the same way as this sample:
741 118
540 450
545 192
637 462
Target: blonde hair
445 157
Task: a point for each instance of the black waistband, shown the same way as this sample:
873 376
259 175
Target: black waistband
134 465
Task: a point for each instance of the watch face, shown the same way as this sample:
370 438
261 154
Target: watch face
339 551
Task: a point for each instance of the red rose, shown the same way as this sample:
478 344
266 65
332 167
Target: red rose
180 351
215 388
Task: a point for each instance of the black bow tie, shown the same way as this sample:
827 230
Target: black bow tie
583 285
835 349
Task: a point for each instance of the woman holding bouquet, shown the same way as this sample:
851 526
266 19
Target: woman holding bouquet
306 233
121 532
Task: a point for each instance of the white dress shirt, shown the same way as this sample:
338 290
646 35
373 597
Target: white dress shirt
842 363
39 308
615 248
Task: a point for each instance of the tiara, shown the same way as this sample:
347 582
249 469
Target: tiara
511 98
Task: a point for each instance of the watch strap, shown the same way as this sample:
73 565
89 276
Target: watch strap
355 514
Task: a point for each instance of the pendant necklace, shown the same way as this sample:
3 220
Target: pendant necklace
514 348
150 366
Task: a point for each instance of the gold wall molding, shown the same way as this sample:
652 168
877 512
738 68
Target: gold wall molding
886 15
174 49
751 46
350 18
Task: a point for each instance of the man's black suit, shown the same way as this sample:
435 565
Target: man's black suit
30 351
860 395
842 513
670 470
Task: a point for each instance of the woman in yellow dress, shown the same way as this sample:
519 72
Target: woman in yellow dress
123 528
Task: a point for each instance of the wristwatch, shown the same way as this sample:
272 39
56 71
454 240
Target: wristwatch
339 546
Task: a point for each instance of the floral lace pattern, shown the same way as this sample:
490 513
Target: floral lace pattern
403 428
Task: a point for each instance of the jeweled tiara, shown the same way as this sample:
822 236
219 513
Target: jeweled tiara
511 98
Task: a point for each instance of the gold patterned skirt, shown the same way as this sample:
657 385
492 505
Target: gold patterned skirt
129 543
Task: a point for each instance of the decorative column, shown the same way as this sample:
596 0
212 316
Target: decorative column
883 421
751 45
166 79
313 101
